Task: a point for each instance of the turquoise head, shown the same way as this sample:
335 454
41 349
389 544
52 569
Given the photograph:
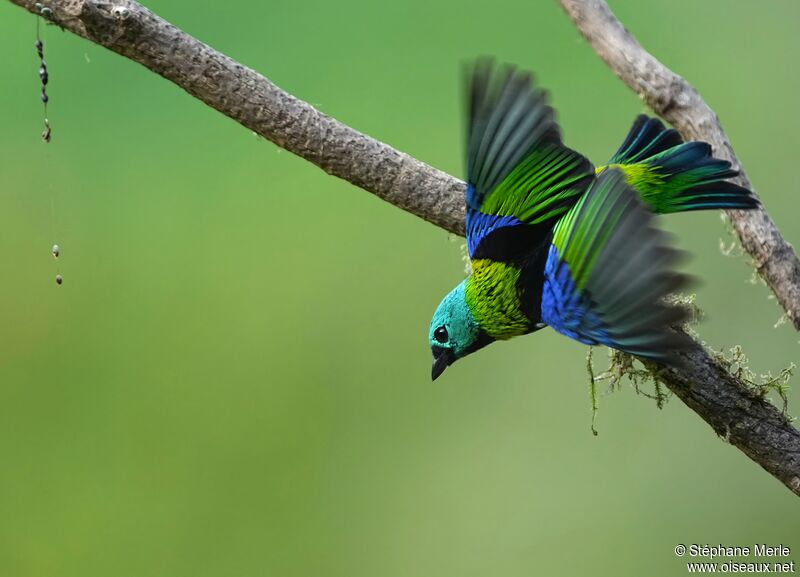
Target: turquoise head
454 332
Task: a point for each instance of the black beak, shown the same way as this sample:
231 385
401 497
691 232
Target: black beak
442 358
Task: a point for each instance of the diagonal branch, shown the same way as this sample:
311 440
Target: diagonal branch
673 98
736 412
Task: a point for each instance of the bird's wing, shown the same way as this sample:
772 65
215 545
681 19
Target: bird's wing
520 177
608 271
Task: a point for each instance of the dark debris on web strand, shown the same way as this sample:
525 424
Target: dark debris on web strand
44 75
44 78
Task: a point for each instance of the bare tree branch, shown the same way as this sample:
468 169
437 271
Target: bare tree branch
736 412
671 97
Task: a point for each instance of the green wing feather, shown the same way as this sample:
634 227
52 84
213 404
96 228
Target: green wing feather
544 185
608 272
518 170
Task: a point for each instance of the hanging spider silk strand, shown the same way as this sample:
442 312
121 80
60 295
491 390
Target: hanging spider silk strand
47 133
44 77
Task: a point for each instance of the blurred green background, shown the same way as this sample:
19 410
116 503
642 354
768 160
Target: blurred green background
234 378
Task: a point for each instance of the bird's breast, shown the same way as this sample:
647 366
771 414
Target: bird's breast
493 297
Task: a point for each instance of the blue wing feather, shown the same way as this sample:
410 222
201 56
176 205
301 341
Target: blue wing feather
480 225
607 273
565 308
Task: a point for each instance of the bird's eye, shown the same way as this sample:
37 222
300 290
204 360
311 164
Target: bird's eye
440 334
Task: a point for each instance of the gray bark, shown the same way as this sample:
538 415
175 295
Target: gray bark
734 410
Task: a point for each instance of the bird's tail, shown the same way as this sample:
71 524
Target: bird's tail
675 176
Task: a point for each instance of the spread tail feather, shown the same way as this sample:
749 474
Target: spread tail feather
675 176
